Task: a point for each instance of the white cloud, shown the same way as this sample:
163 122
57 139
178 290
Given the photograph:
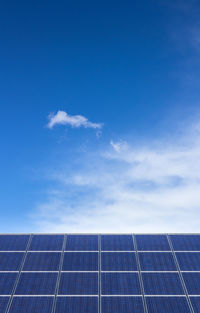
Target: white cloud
152 188
63 118
119 146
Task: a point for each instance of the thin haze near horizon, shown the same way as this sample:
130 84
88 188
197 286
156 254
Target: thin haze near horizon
100 123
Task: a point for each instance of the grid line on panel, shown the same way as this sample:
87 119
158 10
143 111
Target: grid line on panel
187 234
18 276
81 251
139 274
44 251
59 273
80 271
99 282
70 296
13 271
119 271
40 271
117 251
80 295
180 274
154 251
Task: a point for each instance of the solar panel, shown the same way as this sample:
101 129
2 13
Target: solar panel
99 273
42 261
82 243
117 243
192 282
188 261
196 304
3 304
31 304
118 261
7 281
13 242
157 261
120 284
36 284
167 305
152 243
162 284
10 261
122 305
185 242
78 284
46 243
80 261
77 305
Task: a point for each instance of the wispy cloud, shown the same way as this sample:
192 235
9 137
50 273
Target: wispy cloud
126 188
119 146
63 118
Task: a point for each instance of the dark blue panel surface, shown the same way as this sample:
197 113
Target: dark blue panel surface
10 261
80 261
36 284
7 281
42 261
196 304
162 284
82 243
157 261
120 284
188 261
167 305
117 243
152 243
47 243
118 261
31 305
122 305
13 242
3 304
185 242
77 305
78 284
192 282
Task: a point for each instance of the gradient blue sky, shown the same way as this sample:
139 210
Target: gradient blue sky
132 66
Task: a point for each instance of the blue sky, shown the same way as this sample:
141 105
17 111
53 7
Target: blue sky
99 116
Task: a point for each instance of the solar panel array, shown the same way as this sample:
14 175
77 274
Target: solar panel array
100 273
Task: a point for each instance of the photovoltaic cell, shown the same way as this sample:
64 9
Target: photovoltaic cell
42 261
117 243
167 305
152 243
192 282
3 304
82 243
162 284
77 305
13 242
10 261
122 305
185 242
195 304
118 261
78 284
120 284
157 261
36 284
31 305
47 243
80 261
7 281
80 277
188 261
